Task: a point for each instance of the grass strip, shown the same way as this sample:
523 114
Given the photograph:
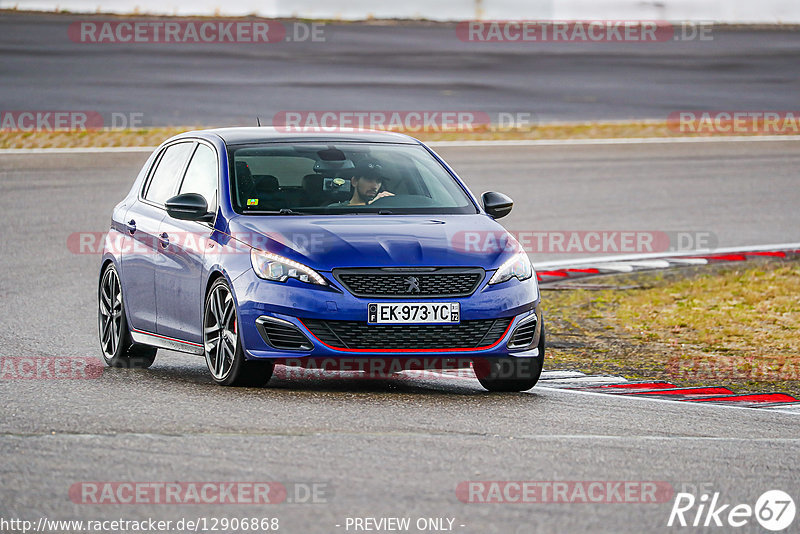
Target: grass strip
732 325
156 135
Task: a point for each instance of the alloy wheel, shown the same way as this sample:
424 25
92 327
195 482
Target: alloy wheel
110 313
219 332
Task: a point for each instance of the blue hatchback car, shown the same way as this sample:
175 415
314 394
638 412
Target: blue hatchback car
251 246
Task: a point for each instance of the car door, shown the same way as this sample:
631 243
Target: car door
179 279
142 222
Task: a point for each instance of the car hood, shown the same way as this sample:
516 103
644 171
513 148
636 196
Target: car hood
328 242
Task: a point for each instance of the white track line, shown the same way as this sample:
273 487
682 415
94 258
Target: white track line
79 150
696 405
650 264
554 265
618 267
543 386
689 261
606 437
467 144
581 382
614 141
559 375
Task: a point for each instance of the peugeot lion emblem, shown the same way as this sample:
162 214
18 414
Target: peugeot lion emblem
412 284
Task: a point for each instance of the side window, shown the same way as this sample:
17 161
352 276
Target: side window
166 176
201 176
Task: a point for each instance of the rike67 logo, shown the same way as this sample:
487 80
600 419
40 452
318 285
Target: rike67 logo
774 510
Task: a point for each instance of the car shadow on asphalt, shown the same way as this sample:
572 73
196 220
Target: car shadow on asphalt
298 380
190 370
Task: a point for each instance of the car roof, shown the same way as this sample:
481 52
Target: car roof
268 134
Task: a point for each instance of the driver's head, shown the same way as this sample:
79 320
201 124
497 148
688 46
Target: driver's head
366 179
367 187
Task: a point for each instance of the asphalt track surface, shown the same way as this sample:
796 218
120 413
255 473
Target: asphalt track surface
396 67
394 447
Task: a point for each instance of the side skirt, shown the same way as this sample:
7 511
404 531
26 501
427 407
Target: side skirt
163 342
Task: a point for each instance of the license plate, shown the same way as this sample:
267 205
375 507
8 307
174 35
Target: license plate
414 313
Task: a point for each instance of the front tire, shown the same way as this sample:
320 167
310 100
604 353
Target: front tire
510 373
223 345
117 347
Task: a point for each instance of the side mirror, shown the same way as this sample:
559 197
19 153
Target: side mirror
189 207
497 205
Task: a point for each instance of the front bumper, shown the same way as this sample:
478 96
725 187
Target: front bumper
260 301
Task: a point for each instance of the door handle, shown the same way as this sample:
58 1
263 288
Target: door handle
131 226
164 240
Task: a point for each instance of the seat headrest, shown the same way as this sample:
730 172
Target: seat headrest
313 182
242 169
266 183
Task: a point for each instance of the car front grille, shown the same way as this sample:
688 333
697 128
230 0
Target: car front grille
360 335
389 283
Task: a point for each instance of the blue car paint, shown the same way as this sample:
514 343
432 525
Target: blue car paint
366 240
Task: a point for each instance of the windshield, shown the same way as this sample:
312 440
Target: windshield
342 178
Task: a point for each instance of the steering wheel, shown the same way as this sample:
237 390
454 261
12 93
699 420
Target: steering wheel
381 200
404 201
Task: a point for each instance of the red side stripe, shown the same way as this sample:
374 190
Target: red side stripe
589 271
688 391
653 385
167 338
773 254
726 257
553 273
755 398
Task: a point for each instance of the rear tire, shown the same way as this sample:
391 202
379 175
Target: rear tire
510 373
116 344
222 343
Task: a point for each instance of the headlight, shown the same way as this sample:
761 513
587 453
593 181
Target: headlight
279 269
519 266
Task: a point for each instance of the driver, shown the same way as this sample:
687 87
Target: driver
365 183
